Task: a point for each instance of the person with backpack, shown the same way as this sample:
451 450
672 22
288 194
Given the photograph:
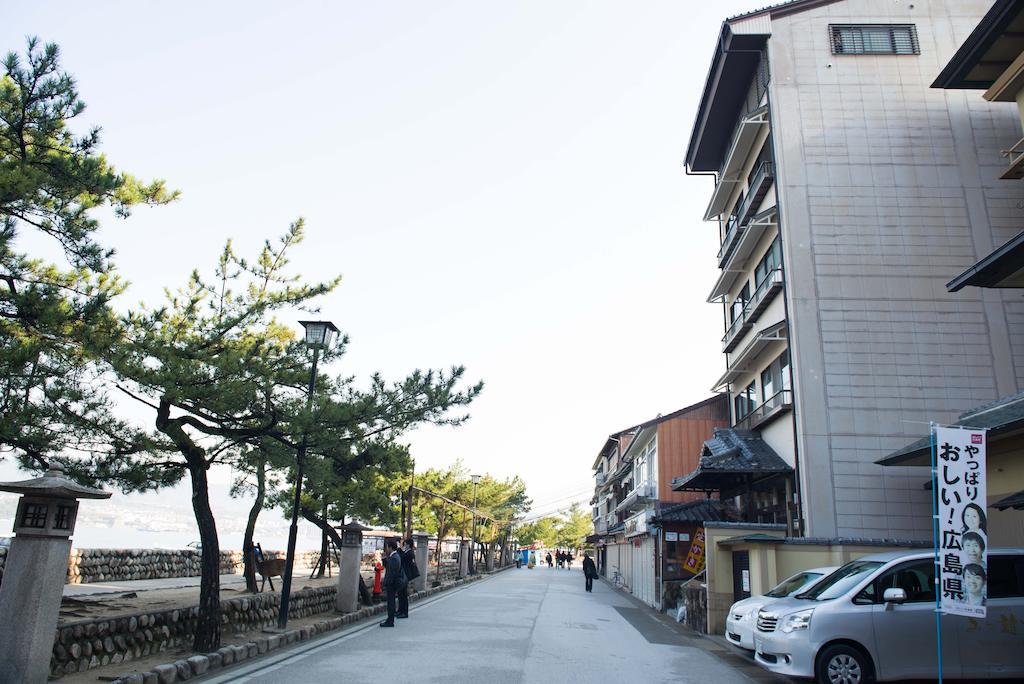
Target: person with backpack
410 572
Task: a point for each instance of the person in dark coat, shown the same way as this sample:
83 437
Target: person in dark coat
394 582
548 559
409 573
589 570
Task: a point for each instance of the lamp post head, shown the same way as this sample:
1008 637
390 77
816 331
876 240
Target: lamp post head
48 506
475 478
319 333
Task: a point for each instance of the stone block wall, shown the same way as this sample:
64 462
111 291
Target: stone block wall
105 565
88 644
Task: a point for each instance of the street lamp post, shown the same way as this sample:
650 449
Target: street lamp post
319 335
472 536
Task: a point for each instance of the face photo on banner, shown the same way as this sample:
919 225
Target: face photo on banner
962 521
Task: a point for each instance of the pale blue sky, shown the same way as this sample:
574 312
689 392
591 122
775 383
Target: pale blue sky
500 184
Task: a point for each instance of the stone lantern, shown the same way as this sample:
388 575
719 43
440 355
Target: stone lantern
36 570
348 567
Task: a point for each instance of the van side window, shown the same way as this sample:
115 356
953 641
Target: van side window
1005 576
916 579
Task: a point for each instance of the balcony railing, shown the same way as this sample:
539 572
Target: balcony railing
1015 155
753 309
732 335
758 187
772 407
733 229
763 295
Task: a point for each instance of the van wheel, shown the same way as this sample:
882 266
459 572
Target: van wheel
842 664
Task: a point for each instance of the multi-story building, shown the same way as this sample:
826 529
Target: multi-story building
846 191
633 485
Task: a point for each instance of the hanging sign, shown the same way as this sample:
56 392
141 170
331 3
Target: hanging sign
695 559
962 522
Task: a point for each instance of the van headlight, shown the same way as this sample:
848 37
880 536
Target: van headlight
795 621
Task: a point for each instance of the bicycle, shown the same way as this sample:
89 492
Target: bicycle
617 580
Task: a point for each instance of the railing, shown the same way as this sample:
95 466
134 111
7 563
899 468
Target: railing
759 300
773 406
732 335
752 309
1015 155
757 188
732 231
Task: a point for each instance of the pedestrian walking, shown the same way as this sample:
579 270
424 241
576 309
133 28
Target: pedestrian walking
568 560
393 580
589 570
548 559
409 573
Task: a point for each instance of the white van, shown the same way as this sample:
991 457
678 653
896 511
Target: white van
874 618
739 626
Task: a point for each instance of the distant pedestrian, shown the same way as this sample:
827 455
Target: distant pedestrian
589 570
548 559
568 560
560 558
409 573
394 582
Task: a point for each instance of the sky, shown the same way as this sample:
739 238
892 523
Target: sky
500 186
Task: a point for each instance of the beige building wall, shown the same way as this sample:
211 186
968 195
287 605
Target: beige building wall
887 189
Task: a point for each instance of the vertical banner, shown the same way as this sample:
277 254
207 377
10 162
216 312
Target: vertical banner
962 521
695 559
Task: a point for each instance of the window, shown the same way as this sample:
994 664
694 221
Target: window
1005 576
775 378
746 401
874 39
34 515
643 467
736 310
769 262
916 579
63 521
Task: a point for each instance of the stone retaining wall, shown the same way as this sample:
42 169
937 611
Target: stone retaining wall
88 644
104 565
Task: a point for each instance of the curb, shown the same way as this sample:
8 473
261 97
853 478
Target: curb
200 664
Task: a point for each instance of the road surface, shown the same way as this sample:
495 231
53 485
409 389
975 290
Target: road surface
536 625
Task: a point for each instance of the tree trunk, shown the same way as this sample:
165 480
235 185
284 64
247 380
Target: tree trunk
207 636
325 558
248 562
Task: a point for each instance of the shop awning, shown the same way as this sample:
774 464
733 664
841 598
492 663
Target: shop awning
1002 418
732 460
1015 501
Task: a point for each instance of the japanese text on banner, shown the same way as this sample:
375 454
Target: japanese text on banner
963 524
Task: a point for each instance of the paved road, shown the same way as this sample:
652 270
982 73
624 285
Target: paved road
518 626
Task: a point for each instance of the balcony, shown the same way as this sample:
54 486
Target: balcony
733 229
744 361
1015 155
740 147
753 309
734 333
744 243
759 185
638 498
773 407
763 295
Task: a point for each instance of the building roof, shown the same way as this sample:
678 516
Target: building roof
697 512
732 458
995 43
1002 268
733 65
1015 501
1001 418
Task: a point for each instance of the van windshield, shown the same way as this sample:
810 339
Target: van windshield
840 581
794 583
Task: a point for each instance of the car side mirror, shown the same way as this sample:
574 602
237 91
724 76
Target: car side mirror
894 595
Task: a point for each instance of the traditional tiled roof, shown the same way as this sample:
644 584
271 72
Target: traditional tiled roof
730 456
698 512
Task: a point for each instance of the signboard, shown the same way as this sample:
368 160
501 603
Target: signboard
962 533
745 580
671 536
636 525
695 558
